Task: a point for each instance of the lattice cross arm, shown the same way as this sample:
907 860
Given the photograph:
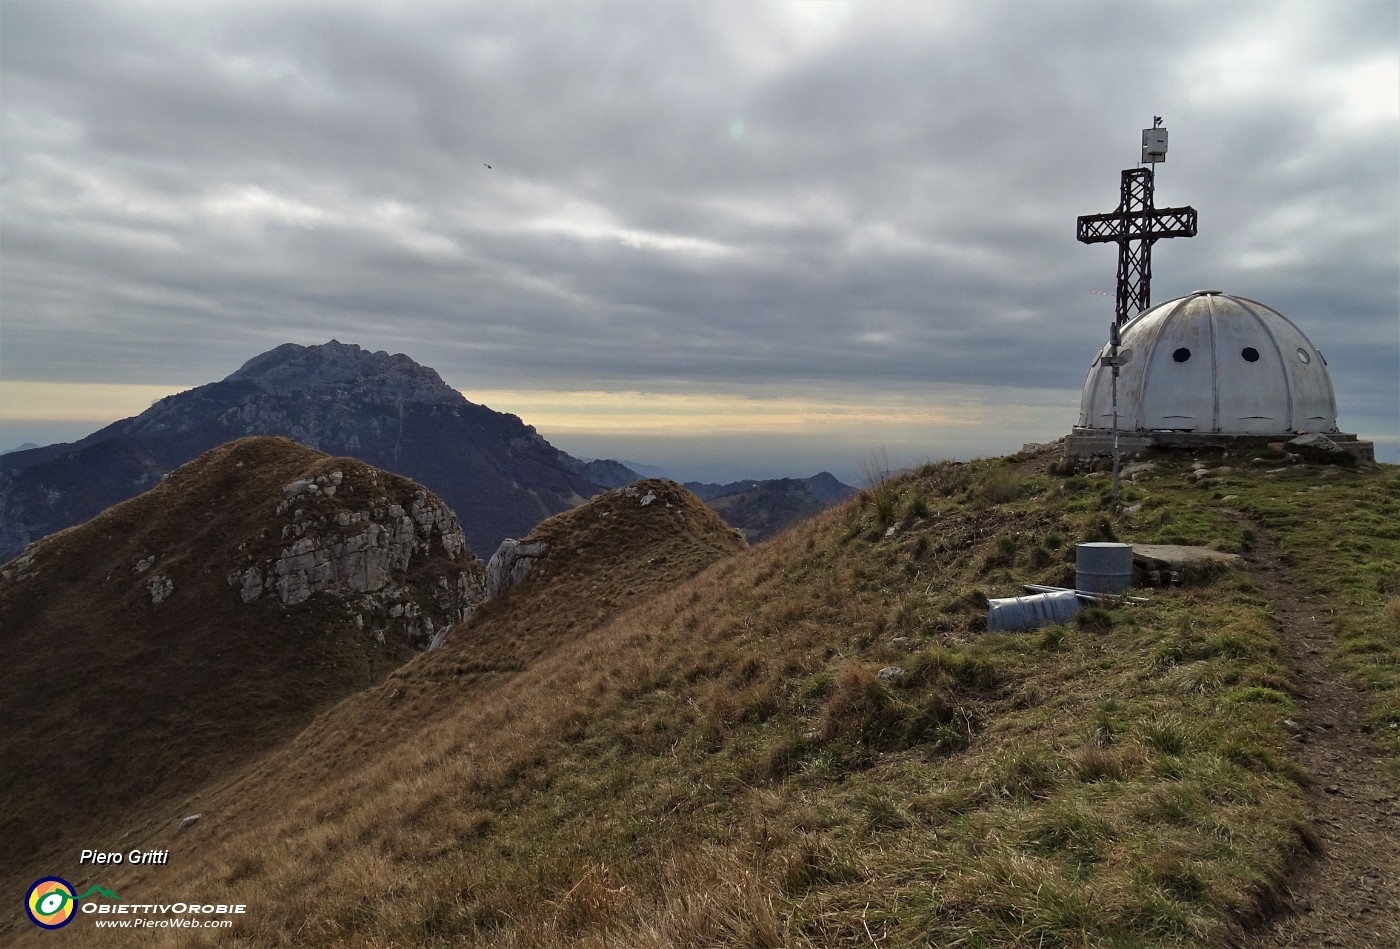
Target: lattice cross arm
1145 225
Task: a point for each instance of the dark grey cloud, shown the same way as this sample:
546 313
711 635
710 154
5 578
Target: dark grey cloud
684 196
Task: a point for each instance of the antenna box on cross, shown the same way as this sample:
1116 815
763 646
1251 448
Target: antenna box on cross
1154 145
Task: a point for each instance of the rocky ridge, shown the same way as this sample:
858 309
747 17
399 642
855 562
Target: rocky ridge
343 533
368 376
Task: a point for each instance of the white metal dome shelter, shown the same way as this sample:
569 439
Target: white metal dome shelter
1212 363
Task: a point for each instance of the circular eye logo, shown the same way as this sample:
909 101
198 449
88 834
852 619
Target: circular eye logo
50 903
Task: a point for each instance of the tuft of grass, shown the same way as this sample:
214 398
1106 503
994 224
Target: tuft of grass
1051 637
1102 530
1094 619
816 863
881 492
1257 693
1170 735
1025 774
998 486
1070 829
884 503
596 902
865 711
1103 764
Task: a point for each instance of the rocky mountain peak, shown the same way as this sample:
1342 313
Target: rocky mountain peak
497 474
377 376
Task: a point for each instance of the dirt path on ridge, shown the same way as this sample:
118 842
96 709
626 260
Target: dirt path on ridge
1349 895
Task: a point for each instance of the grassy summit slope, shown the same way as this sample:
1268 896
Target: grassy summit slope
723 764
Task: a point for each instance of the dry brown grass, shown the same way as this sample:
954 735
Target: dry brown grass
718 764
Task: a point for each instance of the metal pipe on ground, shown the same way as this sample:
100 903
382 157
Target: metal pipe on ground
1085 594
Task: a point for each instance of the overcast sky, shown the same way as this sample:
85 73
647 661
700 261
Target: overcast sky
744 238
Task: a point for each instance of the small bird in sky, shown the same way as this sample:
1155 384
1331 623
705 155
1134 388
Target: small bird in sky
488 166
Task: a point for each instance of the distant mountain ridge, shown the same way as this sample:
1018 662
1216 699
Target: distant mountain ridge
608 473
498 474
762 508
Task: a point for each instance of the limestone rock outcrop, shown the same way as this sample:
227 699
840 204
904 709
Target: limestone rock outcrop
510 564
343 535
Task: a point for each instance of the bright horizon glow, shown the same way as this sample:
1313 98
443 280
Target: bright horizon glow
776 432
577 411
642 413
98 402
726 436
764 430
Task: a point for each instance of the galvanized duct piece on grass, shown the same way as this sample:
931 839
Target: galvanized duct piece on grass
1017 613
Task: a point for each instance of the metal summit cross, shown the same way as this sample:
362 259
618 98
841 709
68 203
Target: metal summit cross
1136 225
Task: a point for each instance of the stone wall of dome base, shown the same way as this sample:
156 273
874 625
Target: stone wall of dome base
1089 442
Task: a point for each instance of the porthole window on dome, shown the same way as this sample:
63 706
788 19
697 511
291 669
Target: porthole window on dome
1250 354
1182 354
1303 356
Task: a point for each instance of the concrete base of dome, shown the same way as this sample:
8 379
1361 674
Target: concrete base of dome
1089 442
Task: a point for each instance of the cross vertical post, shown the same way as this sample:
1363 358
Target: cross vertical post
1134 257
1135 226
